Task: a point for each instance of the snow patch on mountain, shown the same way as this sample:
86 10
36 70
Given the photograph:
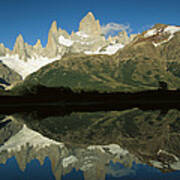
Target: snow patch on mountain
172 29
24 68
169 29
27 136
84 42
112 49
112 148
65 42
150 33
109 50
82 34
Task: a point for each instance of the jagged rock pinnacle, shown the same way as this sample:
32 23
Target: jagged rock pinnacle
19 39
2 50
53 28
20 48
38 44
89 25
19 44
51 46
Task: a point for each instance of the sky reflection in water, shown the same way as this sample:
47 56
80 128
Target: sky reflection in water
33 170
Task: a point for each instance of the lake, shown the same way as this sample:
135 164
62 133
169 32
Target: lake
131 144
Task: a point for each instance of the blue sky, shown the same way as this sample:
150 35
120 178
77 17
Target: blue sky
32 18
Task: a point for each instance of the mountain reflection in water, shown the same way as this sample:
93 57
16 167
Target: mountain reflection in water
113 145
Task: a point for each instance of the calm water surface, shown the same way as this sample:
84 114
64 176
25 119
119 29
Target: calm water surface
114 145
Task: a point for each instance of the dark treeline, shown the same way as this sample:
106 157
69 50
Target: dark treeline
42 97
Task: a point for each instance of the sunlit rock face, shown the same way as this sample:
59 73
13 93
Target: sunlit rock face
88 38
51 47
21 48
38 47
89 25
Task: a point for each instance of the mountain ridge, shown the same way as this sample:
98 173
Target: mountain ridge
139 66
88 61
89 28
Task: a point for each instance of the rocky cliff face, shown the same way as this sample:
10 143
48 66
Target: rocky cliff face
89 25
20 48
51 48
89 37
38 47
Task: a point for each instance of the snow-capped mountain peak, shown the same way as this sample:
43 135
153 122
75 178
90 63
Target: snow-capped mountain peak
161 34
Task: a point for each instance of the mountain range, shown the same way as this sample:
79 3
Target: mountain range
89 39
87 60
